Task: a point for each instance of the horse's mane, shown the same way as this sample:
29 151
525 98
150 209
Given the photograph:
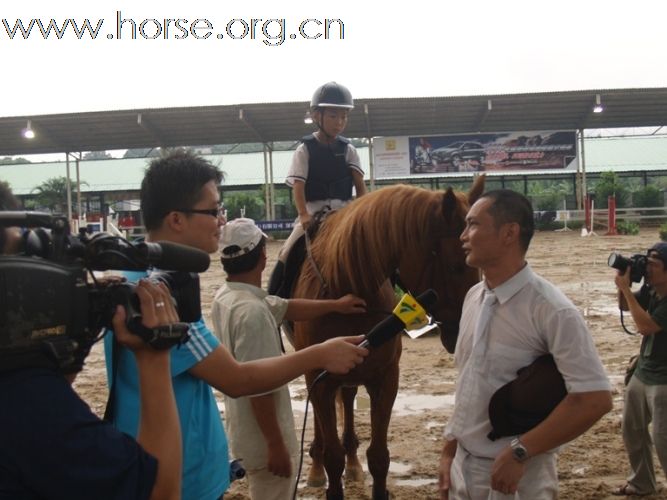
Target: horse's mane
358 246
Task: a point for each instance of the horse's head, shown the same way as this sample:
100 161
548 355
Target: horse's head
442 265
414 229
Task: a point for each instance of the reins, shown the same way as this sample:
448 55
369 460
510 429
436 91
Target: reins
324 287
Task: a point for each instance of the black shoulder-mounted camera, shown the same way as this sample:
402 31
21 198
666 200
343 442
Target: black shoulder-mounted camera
637 264
53 308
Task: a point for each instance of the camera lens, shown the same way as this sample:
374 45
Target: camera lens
617 261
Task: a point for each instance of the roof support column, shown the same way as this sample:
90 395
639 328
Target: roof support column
272 185
69 190
269 191
78 190
371 164
369 136
581 170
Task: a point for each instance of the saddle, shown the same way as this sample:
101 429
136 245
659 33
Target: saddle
282 284
295 258
284 276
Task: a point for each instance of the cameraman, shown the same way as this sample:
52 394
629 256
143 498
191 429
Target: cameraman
53 446
646 393
180 203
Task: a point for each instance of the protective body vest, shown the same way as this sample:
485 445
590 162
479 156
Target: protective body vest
329 176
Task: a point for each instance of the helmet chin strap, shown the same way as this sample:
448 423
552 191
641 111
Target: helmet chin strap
320 128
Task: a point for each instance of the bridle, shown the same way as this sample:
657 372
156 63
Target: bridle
429 270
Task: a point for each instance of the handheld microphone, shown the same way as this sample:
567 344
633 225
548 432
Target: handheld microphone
408 314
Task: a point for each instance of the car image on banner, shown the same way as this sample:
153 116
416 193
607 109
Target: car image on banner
461 156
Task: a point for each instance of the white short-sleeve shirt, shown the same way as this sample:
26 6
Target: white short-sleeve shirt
532 317
245 319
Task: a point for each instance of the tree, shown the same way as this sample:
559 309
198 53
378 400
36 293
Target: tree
610 184
8 160
548 195
52 194
649 196
142 153
251 204
97 155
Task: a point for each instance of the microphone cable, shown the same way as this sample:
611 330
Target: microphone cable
303 432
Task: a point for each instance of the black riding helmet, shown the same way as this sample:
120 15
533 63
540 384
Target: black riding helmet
332 95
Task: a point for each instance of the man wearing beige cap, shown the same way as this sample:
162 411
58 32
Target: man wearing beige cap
245 318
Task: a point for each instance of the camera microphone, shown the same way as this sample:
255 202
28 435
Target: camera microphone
25 219
175 257
409 313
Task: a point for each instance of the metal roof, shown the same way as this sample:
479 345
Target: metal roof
268 122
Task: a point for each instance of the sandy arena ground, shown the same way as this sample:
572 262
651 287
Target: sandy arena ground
589 467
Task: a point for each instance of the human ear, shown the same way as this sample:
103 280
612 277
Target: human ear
174 221
511 231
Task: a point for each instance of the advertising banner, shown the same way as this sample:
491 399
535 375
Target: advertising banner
488 152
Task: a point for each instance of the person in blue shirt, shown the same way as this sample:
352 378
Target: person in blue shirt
180 203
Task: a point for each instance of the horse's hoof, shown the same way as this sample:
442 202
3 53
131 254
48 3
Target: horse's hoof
354 473
316 480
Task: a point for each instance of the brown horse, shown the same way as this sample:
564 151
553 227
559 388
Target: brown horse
355 251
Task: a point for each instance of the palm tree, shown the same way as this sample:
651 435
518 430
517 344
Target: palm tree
52 194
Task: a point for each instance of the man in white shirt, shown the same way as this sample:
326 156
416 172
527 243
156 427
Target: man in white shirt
509 320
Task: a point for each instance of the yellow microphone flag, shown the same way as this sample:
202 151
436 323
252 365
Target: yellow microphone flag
410 312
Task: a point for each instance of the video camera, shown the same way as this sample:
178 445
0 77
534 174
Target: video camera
637 264
51 314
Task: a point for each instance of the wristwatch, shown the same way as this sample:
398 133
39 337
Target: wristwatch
519 451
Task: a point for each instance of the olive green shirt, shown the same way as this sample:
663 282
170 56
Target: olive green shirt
652 364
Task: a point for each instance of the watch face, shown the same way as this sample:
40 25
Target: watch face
519 451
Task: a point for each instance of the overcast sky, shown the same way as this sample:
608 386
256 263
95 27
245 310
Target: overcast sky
389 49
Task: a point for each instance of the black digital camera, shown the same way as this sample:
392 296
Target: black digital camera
53 308
637 264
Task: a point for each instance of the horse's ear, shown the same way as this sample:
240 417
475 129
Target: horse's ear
477 189
449 203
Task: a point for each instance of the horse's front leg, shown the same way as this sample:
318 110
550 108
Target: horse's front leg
324 407
383 393
353 469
